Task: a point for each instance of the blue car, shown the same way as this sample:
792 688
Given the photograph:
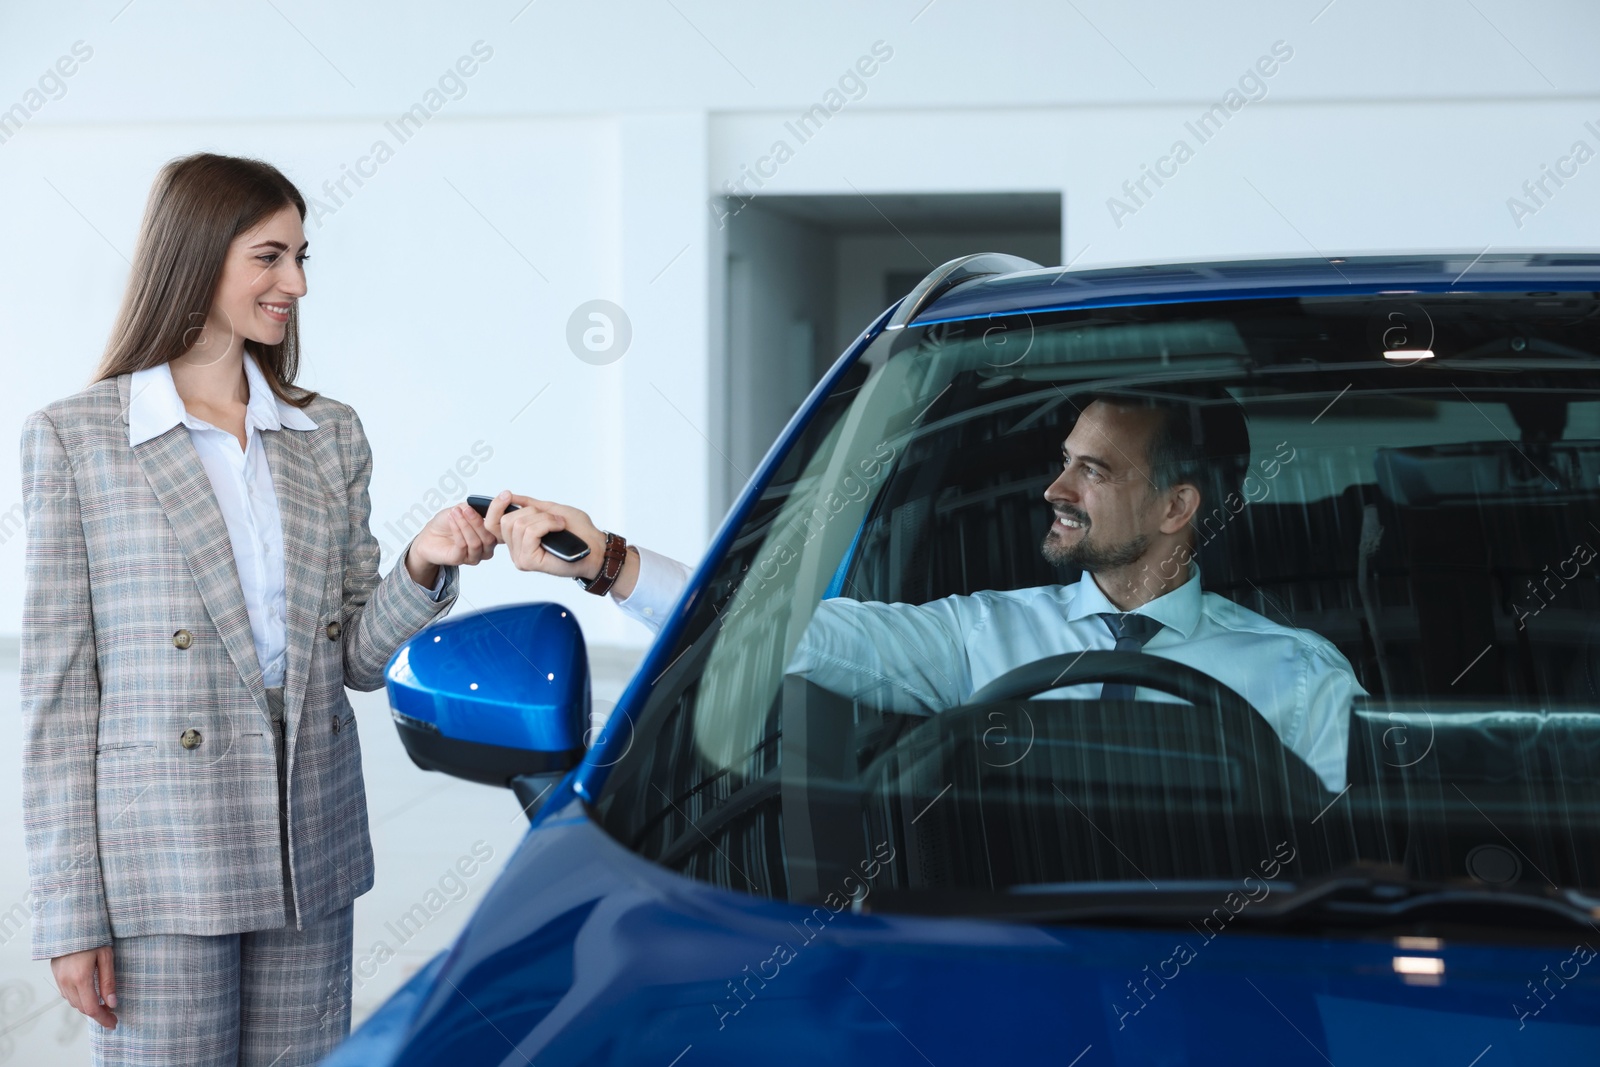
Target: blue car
889 789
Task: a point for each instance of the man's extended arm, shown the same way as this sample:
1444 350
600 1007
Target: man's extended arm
657 582
647 586
902 656
907 657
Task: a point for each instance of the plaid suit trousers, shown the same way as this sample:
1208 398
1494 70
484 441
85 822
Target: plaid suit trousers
268 998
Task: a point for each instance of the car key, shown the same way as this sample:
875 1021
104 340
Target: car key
562 544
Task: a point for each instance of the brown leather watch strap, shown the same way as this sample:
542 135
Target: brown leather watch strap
610 567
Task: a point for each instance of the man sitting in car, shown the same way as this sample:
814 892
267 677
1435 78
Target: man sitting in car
1135 475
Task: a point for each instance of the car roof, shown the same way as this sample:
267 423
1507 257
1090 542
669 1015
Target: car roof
1053 288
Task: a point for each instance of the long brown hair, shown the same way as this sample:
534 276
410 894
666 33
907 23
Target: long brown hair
197 206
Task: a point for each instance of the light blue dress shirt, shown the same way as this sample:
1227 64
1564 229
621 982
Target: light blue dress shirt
242 483
928 657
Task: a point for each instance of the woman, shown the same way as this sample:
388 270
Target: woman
201 588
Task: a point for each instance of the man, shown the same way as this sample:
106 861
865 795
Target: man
1135 475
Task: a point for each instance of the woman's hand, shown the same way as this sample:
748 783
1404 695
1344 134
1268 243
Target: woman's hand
453 538
76 974
522 532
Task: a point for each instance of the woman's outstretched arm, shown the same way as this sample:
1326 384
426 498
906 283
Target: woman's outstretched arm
380 614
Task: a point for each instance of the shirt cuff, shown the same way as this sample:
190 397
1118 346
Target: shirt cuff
660 583
437 592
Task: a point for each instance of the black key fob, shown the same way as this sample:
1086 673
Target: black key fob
562 544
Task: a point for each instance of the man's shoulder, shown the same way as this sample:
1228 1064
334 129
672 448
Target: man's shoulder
1236 618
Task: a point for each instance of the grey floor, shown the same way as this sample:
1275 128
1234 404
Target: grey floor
422 824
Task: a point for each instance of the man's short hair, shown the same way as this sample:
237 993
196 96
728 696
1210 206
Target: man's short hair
1203 441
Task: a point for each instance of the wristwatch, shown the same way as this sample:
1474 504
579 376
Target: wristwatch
610 567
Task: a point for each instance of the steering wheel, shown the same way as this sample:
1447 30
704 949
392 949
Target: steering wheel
1221 754
1132 668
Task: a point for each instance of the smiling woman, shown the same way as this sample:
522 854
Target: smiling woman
189 230
202 586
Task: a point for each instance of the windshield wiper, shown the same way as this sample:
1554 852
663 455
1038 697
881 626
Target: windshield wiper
1372 895
1361 896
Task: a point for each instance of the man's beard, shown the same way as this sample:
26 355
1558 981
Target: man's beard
1093 557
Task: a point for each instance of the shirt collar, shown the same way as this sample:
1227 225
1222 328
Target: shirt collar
154 406
1178 610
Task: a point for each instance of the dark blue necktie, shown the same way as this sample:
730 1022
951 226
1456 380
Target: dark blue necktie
1131 632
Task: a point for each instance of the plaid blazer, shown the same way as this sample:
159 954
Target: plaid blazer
135 633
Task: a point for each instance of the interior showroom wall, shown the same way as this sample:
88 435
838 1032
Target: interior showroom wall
599 253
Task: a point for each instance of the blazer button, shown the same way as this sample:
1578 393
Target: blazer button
334 630
191 738
336 724
182 639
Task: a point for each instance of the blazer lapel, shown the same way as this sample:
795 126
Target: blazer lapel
303 514
175 473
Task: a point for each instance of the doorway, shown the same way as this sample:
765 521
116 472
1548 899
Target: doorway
805 274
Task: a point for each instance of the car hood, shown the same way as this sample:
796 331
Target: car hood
583 952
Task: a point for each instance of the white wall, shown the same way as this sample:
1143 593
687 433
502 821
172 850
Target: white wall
595 136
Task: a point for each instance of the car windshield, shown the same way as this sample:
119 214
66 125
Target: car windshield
1372 642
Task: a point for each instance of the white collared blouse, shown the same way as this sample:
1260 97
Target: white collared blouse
242 483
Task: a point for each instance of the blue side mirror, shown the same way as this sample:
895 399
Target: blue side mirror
493 695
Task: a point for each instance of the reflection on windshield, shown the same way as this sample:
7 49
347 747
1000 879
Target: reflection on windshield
1175 587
